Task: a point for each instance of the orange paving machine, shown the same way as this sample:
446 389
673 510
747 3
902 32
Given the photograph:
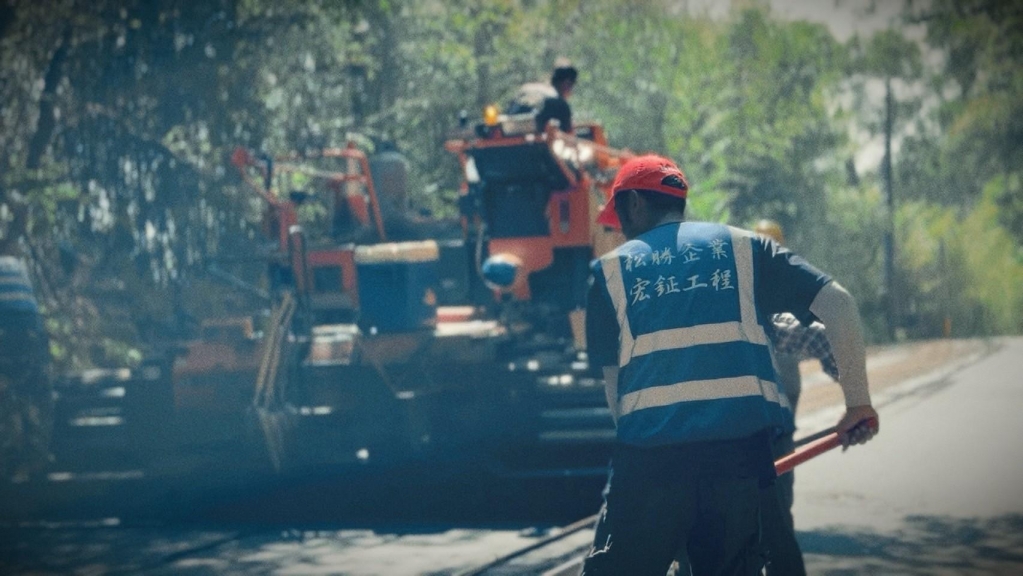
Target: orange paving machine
388 338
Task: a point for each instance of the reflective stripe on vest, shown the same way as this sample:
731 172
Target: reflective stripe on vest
681 381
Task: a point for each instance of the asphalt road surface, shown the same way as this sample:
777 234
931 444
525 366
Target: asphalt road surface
939 491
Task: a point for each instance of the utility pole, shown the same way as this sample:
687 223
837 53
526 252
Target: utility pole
889 235
946 291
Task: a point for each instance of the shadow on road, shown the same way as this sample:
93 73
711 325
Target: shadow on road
410 498
924 545
386 495
309 526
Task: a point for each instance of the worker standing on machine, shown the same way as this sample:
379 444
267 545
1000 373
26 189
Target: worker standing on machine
548 101
676 319
556 107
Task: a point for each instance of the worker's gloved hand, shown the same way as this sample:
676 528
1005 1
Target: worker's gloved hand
858 426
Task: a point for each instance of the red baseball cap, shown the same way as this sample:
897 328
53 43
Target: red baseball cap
650 172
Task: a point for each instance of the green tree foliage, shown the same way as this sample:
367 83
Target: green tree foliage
780 128
966 155
120 117
453 56
123 166
981 80
964 270
976 132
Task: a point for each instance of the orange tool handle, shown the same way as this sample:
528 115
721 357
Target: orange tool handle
813 449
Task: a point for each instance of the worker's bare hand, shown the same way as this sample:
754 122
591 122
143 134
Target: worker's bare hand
858 426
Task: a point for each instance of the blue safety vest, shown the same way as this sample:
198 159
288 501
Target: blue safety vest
694 363
15 286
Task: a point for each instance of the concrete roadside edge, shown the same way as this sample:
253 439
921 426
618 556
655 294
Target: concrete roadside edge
823 418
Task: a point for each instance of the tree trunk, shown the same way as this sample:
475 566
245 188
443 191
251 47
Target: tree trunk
6 17
889 244
47 120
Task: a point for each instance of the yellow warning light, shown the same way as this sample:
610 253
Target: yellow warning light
771 229
490 115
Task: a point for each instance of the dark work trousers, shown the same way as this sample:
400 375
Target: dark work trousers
702 497
784 557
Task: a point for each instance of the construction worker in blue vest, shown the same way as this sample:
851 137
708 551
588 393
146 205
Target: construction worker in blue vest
791 341
676 322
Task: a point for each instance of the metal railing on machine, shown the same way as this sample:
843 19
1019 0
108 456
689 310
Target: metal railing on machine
268 398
